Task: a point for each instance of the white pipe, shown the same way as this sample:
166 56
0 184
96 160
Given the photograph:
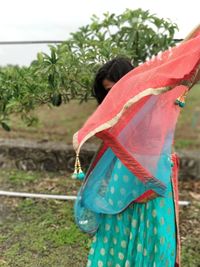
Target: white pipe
184 203
33 195
61 197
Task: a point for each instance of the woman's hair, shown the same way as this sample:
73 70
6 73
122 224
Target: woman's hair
113 71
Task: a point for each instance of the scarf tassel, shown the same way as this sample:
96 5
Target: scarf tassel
78 173
181 99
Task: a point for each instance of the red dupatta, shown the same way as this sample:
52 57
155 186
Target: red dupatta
169 76
137 120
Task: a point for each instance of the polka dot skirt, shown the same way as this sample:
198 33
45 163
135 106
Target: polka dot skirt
143 235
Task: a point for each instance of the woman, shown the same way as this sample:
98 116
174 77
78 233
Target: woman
143 234
108 75
129 197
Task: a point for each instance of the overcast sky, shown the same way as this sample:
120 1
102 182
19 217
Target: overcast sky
54 20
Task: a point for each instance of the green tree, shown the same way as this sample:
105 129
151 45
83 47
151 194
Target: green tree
70 67
67 71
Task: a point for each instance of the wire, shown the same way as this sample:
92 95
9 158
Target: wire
47 42
30 42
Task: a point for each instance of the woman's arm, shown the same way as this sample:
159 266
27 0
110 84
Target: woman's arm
191 34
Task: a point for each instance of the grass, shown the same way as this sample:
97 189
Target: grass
187 133
55 124
42 233
39 233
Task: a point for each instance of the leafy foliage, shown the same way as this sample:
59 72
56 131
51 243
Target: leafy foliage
67 71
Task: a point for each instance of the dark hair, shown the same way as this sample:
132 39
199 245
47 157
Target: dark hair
112 70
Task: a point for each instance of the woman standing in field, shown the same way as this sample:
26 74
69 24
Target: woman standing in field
129 197
143 234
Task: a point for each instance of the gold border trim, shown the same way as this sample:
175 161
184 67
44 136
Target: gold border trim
114 120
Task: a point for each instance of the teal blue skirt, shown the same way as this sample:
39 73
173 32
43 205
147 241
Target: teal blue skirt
142 235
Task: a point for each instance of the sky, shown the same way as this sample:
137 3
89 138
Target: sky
34 20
